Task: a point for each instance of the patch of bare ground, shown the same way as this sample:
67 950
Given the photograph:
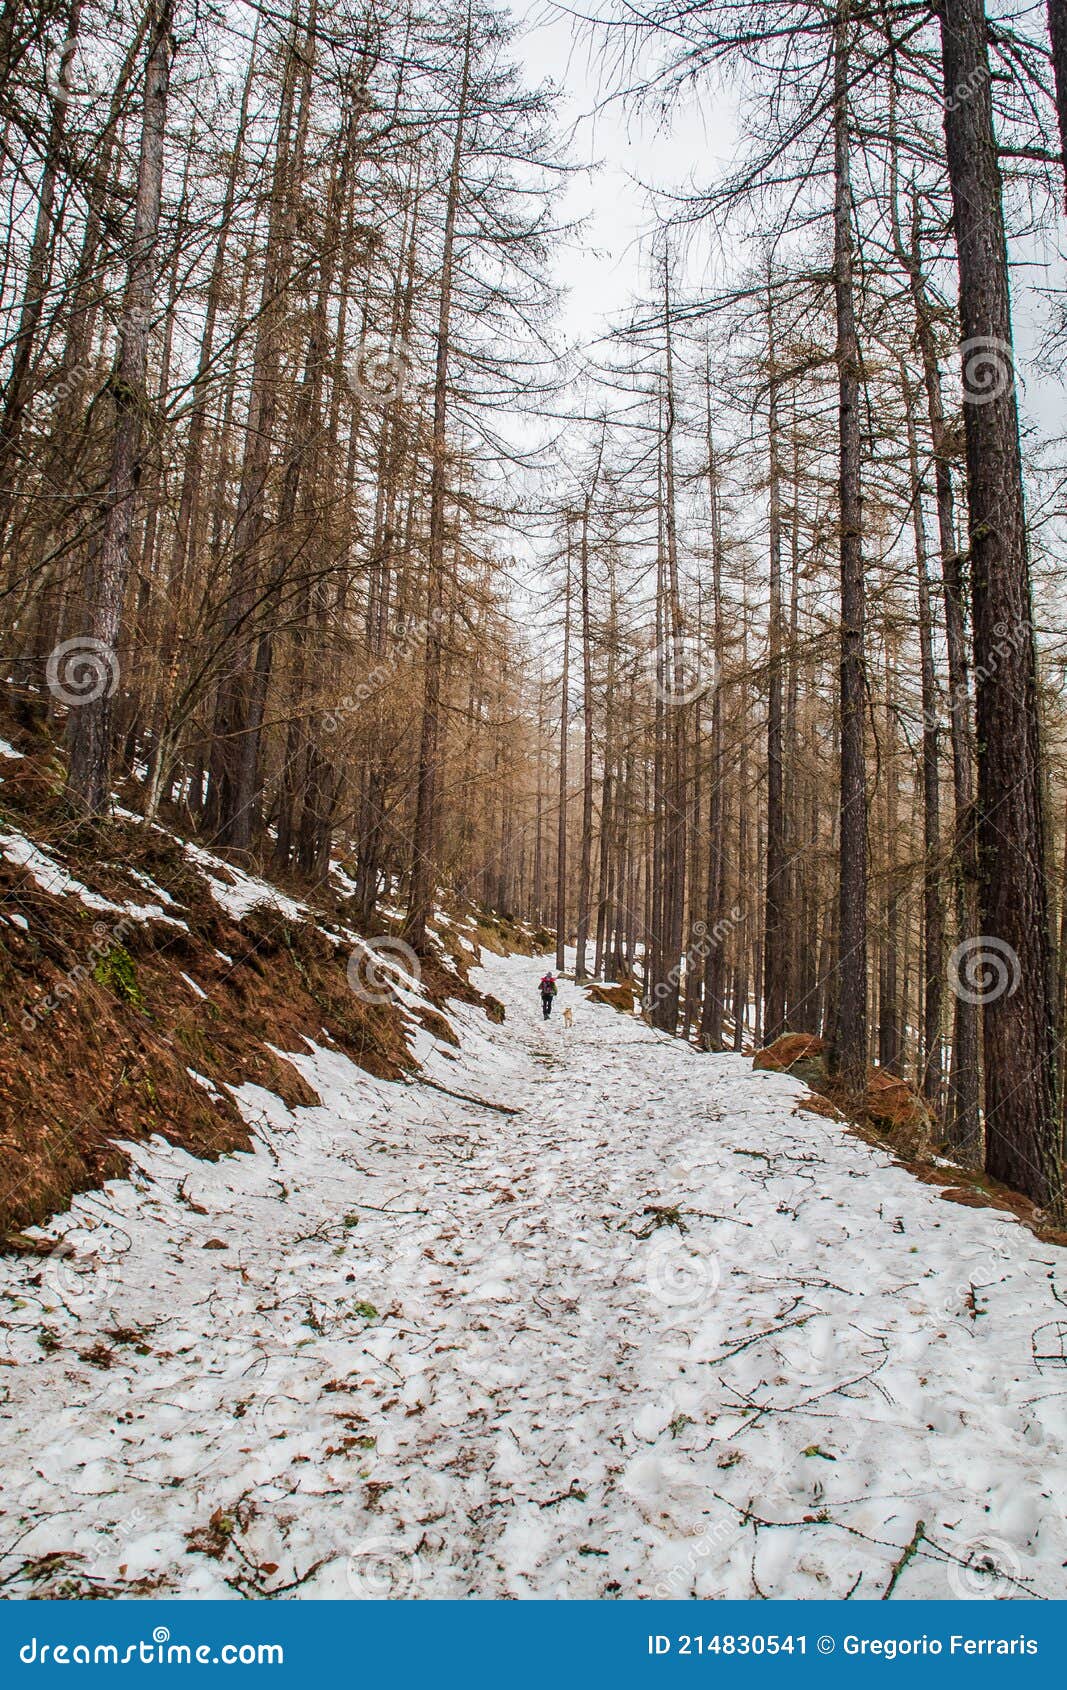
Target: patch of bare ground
619 996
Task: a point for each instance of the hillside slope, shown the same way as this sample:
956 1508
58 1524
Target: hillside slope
142 977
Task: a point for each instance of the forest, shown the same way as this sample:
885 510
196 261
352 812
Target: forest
410 481
743 623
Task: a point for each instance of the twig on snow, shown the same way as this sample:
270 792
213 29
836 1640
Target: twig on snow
907 1554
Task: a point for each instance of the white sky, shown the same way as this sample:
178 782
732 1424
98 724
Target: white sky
607 265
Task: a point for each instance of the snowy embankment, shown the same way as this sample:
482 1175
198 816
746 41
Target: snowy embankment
654 1334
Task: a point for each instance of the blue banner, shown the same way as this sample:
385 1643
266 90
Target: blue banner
474 1644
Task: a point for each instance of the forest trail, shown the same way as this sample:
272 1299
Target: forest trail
653 1335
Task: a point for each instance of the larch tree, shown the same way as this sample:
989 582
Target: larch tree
108 565
1022 1137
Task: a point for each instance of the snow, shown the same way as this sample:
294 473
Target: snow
150 885
202 1080
412 1345
237 892
9 751
52 877
344 882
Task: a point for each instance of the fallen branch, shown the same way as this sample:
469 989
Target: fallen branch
465 1097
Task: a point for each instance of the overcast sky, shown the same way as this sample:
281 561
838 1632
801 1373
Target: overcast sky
608 265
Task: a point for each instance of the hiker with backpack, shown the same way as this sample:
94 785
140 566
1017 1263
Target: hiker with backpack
547 989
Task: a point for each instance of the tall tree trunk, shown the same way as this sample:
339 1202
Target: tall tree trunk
775 943
713 1010
664 1012
1014 962
1057 28
424 835
189 500
933 906
89 289
964 1123
608 792
305 436
850 1036
16 393
889 1018
561 815
539 855
655 877
800 963
90 739
231 812
585 866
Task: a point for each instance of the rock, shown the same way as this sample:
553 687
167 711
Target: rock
620 996
892 1103
816 1104
801 1054
24 1246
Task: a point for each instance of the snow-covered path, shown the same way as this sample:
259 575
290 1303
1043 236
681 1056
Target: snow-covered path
656 1334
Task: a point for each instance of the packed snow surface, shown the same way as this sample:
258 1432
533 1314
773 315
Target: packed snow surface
655 1334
